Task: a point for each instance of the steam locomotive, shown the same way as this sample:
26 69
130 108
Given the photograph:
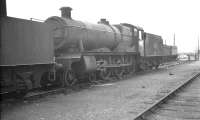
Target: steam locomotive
62 51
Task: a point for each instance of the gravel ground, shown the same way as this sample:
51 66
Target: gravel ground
121 100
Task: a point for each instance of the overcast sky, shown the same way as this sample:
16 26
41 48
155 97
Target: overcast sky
162 17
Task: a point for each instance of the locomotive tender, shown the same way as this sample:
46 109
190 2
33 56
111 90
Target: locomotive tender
62 51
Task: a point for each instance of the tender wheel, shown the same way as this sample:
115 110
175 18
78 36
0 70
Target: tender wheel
18 94
69 78
142 67
44 82
119 73
92 77
21 90
156 67
127 70
104 74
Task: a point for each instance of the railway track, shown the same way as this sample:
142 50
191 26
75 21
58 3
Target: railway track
182 103
33 95
43 93
174 63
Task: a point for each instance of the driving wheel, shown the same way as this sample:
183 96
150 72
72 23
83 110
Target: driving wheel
69 77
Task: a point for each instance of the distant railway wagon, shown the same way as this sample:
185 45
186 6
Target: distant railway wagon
62 52
173 50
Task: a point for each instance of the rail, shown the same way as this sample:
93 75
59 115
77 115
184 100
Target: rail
141 116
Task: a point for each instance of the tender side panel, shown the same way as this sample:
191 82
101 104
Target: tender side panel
153 45
25 42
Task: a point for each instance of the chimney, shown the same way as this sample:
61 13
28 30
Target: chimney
103 21
174 39
66 12
3 10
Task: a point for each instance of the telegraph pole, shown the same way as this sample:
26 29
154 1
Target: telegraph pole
198 48
174 39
